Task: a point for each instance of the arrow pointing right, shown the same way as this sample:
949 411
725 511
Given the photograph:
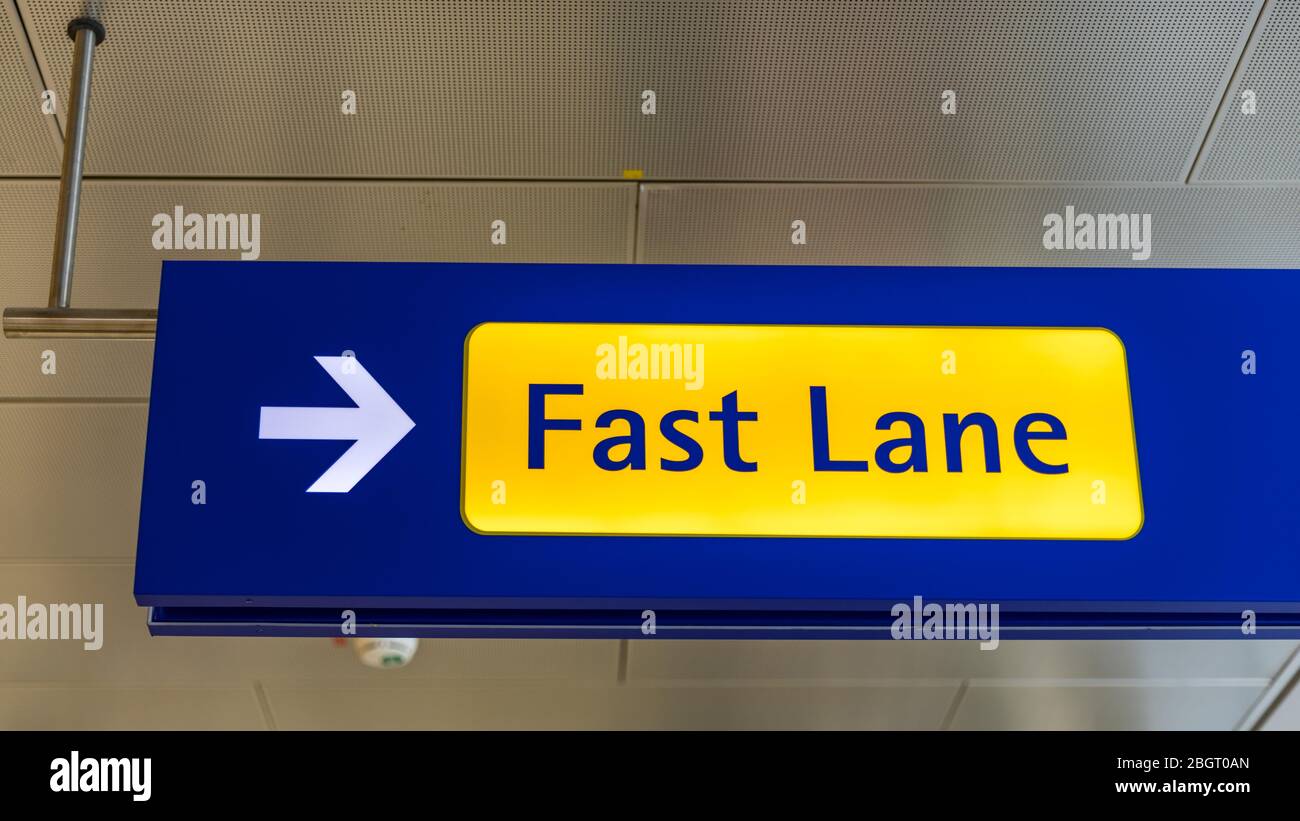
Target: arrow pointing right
376 424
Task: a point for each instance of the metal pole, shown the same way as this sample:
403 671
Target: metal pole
60 320
86 34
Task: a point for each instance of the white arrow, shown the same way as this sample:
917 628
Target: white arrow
376 424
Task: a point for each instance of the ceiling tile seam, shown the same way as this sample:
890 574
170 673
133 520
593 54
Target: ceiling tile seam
990 680
264 705
338 680
638 234
217 182
1284 684
510 684
68 561
458 182
962 184
958 697
613 181
470 182
37 399
1230 85
270 181
637 681
1121 682
38 71
441 684
83 684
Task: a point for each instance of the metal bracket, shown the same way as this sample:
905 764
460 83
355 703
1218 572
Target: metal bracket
60 319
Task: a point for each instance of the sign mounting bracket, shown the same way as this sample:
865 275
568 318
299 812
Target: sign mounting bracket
60 319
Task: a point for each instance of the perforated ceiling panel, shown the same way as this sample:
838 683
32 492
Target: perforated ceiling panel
1222 226
745 89
27 145
118 267
1263 144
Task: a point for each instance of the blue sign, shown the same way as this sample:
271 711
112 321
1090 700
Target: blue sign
308 429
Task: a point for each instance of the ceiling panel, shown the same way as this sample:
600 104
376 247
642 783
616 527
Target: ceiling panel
1226 226
49 707
70 487
512 707
1064 705
666 661
118 267
28 145
117 369
1265 144
745 89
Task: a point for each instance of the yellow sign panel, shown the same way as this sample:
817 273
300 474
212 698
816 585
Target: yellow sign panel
765 430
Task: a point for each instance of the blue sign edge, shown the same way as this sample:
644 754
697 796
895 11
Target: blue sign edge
687 625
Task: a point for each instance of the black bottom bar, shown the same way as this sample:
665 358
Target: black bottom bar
992 771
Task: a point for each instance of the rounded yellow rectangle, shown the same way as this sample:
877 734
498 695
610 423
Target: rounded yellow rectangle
764 430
